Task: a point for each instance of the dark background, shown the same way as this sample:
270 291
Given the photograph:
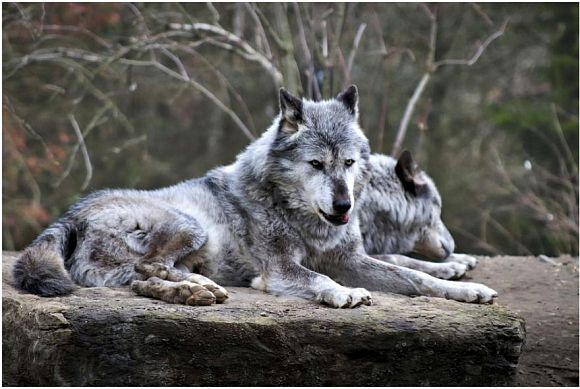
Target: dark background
156 103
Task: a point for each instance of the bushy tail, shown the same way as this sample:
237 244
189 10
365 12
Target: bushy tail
40 269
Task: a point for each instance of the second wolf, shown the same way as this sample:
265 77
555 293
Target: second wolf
400 213
283 218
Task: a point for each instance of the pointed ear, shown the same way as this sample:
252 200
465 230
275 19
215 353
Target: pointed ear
406 170
291 110
349 97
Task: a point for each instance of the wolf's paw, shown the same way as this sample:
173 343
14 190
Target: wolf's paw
346 297
465 259
448 271
219 292
182 292
471 292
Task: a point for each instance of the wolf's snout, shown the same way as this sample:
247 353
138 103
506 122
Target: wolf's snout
446 249
341 206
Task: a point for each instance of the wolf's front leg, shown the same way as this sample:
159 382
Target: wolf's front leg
443 270
359 269
465 259
292 279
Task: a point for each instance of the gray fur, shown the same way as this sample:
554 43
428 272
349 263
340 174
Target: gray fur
268 220
395 221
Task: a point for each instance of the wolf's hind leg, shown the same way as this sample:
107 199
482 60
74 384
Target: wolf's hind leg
177 238
181 292
443 270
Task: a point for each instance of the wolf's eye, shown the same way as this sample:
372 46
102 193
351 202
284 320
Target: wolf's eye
349 162
316 164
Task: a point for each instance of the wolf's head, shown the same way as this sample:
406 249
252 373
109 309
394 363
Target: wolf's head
401 210
433 240
319 156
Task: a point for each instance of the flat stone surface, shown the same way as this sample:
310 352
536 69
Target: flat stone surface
102 336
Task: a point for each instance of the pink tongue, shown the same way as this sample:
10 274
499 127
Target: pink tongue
344 218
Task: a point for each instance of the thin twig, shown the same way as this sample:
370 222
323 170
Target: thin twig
481 13
284 46
177 63
28 176
214 13
129 143
24 124
431 67
228 85
357 38
251 53
408 113
565 146
92 124
84 151
250 8
310 73
471 61
344 67
81 30
200 88
432 36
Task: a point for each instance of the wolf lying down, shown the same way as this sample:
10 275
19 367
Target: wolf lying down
400 212
283 218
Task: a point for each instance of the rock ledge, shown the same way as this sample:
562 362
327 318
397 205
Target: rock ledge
110 337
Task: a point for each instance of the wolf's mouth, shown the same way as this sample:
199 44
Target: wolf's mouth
337 220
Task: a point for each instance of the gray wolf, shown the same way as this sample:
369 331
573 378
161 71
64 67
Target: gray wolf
283 218
400 213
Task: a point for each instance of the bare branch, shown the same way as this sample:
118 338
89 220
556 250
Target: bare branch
200 88
312 82
92 124
214 13
251 53
81 30
28 176
24 124
481 13
177 62
84 151
565 145
224 81
384 50
280 43
402 131
432 36
343 66
478 52
410 108
129 143
355 44
431 67
260 26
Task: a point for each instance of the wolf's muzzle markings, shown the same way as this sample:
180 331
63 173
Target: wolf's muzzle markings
283 218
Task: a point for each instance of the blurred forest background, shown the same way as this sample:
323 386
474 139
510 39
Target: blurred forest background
144 95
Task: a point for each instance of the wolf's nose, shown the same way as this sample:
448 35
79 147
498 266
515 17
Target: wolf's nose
341 206
447 250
